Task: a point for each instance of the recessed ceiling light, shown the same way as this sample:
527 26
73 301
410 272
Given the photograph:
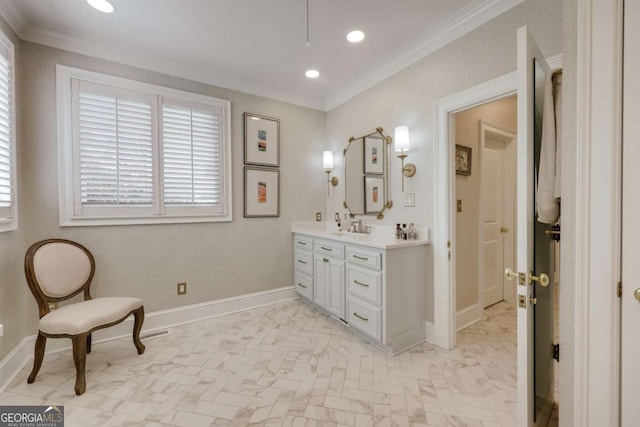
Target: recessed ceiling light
312 74
355 36
101 5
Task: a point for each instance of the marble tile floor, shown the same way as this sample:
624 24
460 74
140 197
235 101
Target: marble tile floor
285 364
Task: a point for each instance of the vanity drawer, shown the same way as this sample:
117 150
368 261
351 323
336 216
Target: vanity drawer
304 285
303 242
364 257
365 284
304 262
365 318
330 249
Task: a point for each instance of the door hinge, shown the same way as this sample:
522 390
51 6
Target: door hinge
556 352
619 290
554 232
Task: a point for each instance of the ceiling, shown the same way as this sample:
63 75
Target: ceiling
257 46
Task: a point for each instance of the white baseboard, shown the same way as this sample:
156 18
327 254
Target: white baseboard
468 316
163 319
429 332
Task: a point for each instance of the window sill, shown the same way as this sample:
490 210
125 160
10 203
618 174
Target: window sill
8 224
97 222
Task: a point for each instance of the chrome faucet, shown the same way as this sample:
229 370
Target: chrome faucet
359 227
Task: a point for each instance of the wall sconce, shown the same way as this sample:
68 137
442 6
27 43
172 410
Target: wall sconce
327 164
402 145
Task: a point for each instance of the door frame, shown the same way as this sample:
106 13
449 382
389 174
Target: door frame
505 136
594 264
444 280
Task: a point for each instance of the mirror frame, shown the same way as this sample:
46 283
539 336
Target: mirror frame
388 203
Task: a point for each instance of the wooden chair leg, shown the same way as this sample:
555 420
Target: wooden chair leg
137 327
38 356
79 358
88 343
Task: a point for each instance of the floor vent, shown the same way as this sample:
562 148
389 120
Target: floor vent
153 334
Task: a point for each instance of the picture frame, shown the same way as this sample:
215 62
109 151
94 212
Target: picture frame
261 140
373 194
462 160
374 153
261 192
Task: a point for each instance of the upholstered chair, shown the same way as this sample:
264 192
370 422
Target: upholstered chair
57 270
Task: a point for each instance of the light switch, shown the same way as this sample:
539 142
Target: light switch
459 205
409 199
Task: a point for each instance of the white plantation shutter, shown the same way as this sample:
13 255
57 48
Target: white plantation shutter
115 144
136 153
191 155
7 173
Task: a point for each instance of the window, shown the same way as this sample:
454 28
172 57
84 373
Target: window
8 187
134 153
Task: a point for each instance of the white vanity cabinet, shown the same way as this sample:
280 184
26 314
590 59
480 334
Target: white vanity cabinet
377 289
328 277
303 259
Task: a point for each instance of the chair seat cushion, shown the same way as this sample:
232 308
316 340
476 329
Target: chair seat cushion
81 317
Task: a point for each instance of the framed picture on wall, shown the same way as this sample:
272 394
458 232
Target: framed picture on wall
463 160
261 192
373 156
261 140
373 194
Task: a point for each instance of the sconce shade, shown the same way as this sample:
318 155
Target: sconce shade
401 138
327 160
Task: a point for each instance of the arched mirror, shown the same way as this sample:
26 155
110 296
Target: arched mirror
366 173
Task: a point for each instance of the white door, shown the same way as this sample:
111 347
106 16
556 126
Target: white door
532 70
498 208
630 311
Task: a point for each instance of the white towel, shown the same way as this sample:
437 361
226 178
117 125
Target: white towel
548 196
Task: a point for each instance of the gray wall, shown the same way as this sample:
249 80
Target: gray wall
568 250
217 260
408 98
14 295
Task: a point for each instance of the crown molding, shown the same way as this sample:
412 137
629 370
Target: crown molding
14 16
464 21
457 25
155 64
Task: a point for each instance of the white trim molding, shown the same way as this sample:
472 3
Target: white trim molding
468 316
22 354
598 212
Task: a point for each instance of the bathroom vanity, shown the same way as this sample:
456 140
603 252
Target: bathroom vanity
370 282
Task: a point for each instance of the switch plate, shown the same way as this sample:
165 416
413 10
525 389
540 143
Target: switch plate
318 216
409 199
459 205
1 330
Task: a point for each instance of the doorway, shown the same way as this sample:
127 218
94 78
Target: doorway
485 207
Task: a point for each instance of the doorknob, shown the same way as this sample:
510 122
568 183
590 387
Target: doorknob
509 274
543 279
504 230
636 294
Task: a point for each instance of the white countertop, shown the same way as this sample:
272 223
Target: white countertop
381 236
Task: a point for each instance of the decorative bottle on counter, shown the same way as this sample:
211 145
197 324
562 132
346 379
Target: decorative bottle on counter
412 232
398 232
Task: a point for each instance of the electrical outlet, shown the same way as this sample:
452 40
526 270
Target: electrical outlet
318 216
409 199
459 205
1 330
182 288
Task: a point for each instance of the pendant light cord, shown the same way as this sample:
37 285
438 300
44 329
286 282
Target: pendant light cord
307 22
